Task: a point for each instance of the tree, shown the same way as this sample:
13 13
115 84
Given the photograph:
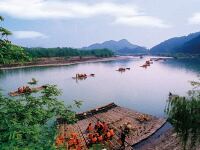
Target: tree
184 114
5 32
28 122
10 53
1 18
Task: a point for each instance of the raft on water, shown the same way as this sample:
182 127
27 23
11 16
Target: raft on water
123 69
33 81
143 125
82 76
36 89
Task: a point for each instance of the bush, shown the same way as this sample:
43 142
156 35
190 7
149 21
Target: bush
26 120
184 114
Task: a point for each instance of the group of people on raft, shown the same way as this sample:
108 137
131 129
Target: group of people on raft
83 76
72 143
147 63
102 133
78 75
99 133
24 89
123 69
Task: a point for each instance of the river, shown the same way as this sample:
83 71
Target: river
144 90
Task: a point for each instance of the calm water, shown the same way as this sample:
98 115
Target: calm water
144 90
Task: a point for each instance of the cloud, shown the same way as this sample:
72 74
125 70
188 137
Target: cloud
60 9
195 19
28 35
142 21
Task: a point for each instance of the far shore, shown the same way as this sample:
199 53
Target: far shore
45 62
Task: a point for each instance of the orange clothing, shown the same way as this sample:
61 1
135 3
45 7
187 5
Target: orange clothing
108 134
71 142
94 139
112 132
58 142
90 136
79 147
100 138
89 128
77 141
74 135
61 138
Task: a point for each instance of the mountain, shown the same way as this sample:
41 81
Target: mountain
137 50
192 46
120 47
174 45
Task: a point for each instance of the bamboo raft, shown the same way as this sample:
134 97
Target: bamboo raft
83 76
115 116
36 89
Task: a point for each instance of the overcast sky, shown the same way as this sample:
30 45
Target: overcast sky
78 23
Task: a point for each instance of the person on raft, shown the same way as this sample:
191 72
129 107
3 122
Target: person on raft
99 133
89 128
125 131
24 89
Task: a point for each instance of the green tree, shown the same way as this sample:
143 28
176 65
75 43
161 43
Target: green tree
67 52
4 32
10 53
29 122
184 114
1 18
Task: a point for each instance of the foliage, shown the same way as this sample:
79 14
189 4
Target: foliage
184 114
10 53
67 52
28 122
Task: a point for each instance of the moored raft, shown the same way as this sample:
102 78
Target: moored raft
36 89
143 125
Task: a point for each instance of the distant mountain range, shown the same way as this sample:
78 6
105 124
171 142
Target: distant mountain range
186 45
123 47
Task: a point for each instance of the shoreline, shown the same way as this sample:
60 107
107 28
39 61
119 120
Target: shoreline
67 63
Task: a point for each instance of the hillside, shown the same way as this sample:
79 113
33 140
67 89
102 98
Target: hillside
192 46
129 51
119 47
174 45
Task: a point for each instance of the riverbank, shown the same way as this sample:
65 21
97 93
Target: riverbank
167 140
60 61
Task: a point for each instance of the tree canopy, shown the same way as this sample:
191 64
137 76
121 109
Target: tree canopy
28 122
67 52
184 114
10 53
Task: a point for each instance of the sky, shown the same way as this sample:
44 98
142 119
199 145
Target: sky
79 23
